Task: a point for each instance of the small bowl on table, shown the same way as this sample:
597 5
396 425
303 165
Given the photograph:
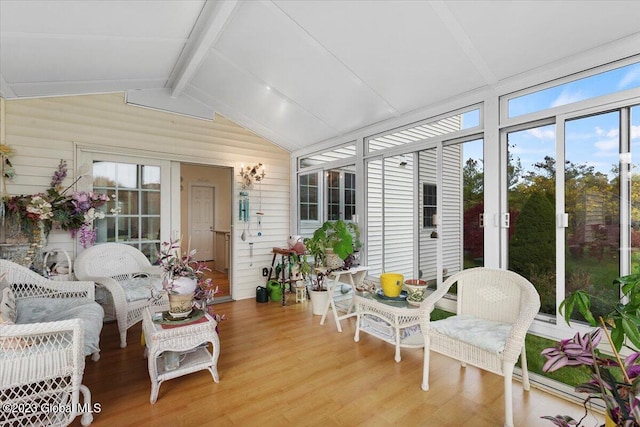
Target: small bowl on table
416 289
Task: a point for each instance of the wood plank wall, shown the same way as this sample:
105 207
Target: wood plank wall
45 130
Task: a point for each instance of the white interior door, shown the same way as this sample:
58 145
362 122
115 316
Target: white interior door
202 224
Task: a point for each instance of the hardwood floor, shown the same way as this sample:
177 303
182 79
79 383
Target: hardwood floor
279 367
219 279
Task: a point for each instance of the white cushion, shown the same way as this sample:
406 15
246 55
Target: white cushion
140 287
34 310
485 334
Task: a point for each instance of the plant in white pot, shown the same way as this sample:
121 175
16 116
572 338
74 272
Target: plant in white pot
333 242
313 280
181 277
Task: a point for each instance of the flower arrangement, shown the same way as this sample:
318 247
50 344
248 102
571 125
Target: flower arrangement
613 380
73 212
176 264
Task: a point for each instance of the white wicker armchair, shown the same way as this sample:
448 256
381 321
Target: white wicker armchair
495 309
111 266
41 361
41 368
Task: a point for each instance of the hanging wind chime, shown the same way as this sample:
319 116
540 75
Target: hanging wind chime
249 175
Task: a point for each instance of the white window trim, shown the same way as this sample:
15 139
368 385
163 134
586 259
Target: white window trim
85 156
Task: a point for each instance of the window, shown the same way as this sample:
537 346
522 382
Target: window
429 205
308 189
328 156
425 130
604 83
341 195
135 192
349 196
333 195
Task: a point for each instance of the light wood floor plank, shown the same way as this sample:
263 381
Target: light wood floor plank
279 367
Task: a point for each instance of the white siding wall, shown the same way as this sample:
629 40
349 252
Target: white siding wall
43 131
374 217
428 246
399 196
452 210
449 212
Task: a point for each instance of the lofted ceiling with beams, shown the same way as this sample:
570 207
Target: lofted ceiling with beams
296 72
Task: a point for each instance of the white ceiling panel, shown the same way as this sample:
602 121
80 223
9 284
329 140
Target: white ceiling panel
123 18
56 59
267 44
299 72
218 80
516 36
395 47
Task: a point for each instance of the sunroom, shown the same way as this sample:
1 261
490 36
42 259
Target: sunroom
455 134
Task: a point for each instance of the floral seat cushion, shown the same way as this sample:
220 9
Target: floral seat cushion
138 288
485 334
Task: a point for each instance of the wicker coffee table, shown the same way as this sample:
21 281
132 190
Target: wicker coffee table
395 322
190 339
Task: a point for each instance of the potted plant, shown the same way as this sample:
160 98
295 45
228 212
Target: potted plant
613 380
334 238
183 278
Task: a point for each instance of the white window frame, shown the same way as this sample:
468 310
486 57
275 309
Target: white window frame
87 155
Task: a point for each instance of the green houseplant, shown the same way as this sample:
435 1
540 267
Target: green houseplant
340 237
614 380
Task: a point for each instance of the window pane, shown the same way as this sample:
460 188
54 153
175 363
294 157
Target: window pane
150 177
589 87
374 217
127 175
531 176
127 228
399 194
308 202
473 203
313 212
105 230
328 156
129 201
428 255
424 130
635 190
150 202
151 250
104 174
592 199
151 228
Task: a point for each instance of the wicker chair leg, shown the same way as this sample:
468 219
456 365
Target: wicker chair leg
525 370
123 338
95 356
508 394
425 367
87 417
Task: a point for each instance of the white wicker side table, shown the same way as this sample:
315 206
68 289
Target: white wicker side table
395 322
186 339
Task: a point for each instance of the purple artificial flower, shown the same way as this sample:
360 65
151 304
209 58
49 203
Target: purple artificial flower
81 201
87 235
59 175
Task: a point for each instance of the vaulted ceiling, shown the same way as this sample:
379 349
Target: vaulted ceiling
296 72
